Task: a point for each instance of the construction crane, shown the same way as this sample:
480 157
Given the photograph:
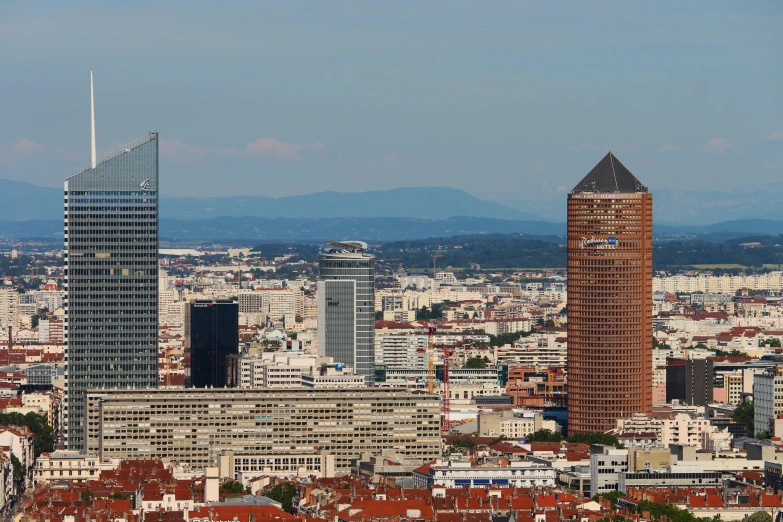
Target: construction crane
435 256
431 360
167 366
446 393
447 352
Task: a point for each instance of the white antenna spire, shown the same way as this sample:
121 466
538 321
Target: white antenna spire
92 121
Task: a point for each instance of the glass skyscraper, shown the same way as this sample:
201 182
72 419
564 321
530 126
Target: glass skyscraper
111 278
211 335
346 307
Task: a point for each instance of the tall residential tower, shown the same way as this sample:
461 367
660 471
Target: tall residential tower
609 298
111 277
346 307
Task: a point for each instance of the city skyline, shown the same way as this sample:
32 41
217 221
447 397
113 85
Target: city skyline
474 337
295 122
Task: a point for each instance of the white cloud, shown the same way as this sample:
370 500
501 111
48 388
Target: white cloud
717 145
25 147
669 147
776 136
176 150
280 149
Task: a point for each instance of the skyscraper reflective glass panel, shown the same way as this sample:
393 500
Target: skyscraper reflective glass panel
111 274
211 335
346 310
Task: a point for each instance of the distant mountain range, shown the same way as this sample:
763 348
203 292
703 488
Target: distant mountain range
23 201
28 211
672 206
265 229
387 229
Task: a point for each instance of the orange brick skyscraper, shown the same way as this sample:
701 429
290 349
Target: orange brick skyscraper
609 298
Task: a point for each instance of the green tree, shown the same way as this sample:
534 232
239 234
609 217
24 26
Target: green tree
232 486
43 437
595 438
759 516
610 495
378 315
20 474
467 444
549 323
426 314
503 339
743 414
732 353
423 314
659 345
283 493
672 513
545 436
475 363
772 343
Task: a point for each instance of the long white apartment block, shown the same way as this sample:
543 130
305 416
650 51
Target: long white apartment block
717 284
193 427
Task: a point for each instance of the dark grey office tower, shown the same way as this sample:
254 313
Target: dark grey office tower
211 335
689 380
346 307
111 277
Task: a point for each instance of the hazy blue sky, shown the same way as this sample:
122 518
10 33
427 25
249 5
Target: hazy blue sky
506 100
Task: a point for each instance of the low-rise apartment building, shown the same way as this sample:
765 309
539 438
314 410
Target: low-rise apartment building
671 428
512 424
332 375
65 466
503 473
606 464
245 467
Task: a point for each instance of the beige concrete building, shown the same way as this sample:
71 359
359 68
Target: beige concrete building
245 467
512 425
270 370
463 393
276 303
674 428
282 370
334 376
9 307
65 466
641 459
193 427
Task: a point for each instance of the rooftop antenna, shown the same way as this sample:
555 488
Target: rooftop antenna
92 121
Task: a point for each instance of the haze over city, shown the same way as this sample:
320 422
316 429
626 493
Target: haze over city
273 100
391 262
